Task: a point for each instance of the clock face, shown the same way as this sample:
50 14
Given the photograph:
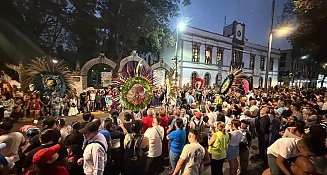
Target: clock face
239 33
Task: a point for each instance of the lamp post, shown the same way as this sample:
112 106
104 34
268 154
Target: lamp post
270 44
180 27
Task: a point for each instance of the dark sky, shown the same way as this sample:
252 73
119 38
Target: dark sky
255 14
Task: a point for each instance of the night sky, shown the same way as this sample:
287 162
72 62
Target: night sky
255 14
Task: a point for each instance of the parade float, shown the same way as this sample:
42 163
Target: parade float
136 87
237 81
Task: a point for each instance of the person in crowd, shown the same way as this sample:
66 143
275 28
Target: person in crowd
254 109
44 162
218 149
74 143
191 158
297 131
47 123
296 111
262 130
13 140
55 104
298 166
286 148
154 136
164 123
290 122
177 140
35 107
233 150
312 117
48 138
73 110
94 156
64 130
92 101
245 146
147 121
87 117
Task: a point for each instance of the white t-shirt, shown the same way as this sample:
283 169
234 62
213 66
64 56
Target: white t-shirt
13 140
212 118
92 96
285 147
193 155
155 142
254 110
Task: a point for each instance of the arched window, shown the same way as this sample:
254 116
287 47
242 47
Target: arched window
194 76
251 80
260 82
207 78
218 79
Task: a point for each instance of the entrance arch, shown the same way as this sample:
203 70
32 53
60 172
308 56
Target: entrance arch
135 58
102 59
161 71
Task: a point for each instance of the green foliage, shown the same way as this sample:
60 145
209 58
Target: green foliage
311 17
81 29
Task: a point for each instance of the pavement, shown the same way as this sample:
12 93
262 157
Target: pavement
256 167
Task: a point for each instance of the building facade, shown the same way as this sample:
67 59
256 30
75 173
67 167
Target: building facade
297 69
210 56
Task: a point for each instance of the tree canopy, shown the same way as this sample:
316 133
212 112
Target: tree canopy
310 35
80 30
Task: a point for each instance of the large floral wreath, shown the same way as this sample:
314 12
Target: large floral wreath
136 93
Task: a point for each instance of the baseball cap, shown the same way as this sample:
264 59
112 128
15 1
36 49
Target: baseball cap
198 114
44 155
89 128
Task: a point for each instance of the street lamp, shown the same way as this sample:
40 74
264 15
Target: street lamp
180 28
281 31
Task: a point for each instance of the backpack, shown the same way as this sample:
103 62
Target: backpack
133 151
199 128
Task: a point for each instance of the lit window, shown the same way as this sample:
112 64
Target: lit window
237 60
195 53
208 55
220 54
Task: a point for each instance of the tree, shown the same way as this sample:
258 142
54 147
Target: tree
311 17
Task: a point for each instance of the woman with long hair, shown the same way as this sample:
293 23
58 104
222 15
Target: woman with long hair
233 149
218 149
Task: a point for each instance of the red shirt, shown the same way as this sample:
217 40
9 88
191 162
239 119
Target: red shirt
147 123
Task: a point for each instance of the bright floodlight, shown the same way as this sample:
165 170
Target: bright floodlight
304 57
284 31
181 26
55 61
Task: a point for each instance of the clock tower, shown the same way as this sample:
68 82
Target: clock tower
236 31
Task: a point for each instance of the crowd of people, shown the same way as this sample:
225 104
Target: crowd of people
202 130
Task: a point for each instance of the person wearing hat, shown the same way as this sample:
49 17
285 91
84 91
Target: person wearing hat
43 162
245 145
95 153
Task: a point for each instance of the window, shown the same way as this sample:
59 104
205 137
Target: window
252 62
207 79
262 63
269 82
251 80
271 65
220 53
194 76
237 60
208 55
196 53
260 82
